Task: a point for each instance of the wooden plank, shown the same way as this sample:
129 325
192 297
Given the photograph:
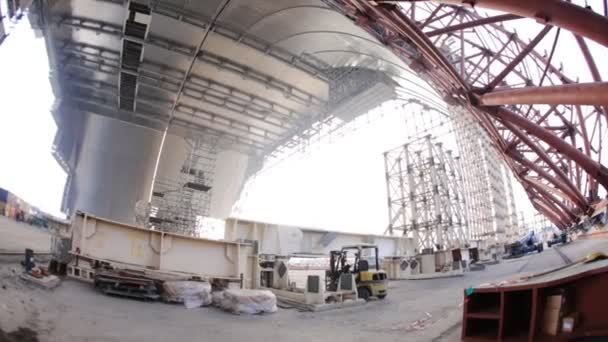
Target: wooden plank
501 319
465 310
534 316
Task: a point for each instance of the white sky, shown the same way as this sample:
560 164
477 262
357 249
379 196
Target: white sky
27 128
340 186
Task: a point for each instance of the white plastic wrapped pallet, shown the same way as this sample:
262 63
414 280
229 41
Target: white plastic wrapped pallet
193 294
246 301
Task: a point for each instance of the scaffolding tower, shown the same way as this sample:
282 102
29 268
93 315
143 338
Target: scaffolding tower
180 203
488 189
483 182
425 198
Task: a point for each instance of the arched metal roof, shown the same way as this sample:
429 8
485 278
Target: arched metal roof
253 72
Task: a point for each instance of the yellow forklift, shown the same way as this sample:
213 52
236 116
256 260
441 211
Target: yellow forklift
370 282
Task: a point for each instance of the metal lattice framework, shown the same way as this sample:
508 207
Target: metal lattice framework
425 194
486 183
180 202
548 127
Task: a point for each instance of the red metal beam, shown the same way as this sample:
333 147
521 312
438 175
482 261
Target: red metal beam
526 50
564 14
542 207
394 19
538 204
572 193
430 17
592 167
496 56
469 24
588 58
593 94
586 144
595 74
568 211
554 209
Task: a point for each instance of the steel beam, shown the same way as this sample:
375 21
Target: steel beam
594 94
291 91
305 63
562 197
571 17
542 207
520 57
495 56
473 23
204 96
588 58
205 116
541 190
564 183
430 17
592 167
400 24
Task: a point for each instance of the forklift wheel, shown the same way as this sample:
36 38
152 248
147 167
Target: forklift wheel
381 296
363 293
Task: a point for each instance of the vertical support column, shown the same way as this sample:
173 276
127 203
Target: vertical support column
437 217
412 191
387 176
402 189
482 180
512 224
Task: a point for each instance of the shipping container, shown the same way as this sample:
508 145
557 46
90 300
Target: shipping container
3 195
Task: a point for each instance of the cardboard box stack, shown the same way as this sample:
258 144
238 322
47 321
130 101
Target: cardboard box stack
554 311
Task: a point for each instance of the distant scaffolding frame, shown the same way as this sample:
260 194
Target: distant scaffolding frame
425 194
180 203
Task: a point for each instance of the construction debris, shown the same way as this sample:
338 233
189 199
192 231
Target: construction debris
37 275
193 294
246 301
45 281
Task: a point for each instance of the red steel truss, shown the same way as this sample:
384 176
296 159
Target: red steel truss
548 126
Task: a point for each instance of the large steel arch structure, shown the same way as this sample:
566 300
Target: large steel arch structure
550 128
256 76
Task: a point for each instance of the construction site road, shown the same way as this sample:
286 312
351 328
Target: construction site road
415 310
16 237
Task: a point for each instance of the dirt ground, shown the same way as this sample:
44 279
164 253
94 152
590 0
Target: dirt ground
16 237
420 310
